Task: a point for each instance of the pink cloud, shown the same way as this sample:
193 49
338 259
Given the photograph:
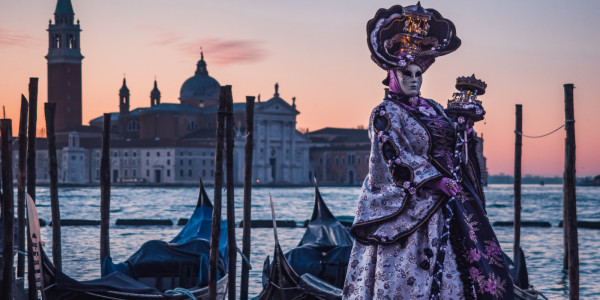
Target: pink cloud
217 50
223 52
8 38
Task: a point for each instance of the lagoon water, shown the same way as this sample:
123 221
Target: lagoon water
543 246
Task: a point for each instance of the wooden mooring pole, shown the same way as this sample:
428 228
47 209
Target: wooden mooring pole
21 173
517 183
231 244
225 93
8 210
31 178
49 110
247 217
569 198
105 190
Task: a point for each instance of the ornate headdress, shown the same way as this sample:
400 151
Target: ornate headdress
398 36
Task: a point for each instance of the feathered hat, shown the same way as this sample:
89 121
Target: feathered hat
402 35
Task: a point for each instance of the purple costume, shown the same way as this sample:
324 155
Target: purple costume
413 242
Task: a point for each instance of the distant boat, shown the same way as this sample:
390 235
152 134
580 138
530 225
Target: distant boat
158 270
542 183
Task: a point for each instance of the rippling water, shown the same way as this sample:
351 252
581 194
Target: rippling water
543 246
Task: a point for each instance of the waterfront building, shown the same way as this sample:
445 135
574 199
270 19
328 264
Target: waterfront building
174 143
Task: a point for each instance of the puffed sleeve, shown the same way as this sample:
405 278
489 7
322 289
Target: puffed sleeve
403 146
394 201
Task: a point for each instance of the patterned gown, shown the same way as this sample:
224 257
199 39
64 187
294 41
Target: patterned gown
413 242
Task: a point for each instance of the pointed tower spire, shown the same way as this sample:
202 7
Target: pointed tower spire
64 12
155 95
124 98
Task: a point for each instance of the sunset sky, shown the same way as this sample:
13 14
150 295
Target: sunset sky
317 52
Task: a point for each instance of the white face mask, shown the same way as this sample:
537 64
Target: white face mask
410 79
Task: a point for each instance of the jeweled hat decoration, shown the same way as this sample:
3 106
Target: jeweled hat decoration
398 36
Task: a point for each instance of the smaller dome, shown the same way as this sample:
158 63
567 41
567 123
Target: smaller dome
124 91
155 93
199 87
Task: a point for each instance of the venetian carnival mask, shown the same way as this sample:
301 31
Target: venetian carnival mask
410 79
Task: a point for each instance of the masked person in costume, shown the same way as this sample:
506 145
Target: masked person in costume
421 230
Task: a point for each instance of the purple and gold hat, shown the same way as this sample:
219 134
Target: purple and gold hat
398 36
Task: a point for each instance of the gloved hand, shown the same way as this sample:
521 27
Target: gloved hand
446 185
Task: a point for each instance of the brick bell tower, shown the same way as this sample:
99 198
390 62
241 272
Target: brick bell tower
64 67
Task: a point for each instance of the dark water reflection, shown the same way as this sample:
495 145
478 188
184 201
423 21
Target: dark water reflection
543 246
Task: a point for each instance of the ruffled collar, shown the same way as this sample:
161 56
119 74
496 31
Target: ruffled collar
413 103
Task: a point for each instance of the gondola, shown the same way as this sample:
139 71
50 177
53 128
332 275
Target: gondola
158 270
316 268
518 271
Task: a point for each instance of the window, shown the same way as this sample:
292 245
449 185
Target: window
344 160
168 153
204 162
203 173
190 173
147 154
126 153
133 125
168 173
358 160
337 161
134 173
181 162
134 154
148 173
190 162
125 173
157 153
192 125
168 162
115 154
181 173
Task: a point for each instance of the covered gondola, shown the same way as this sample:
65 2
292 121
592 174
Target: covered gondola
158 270
316 268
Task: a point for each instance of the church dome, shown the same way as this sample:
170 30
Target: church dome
200 87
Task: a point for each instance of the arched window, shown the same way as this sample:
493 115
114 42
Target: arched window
192 125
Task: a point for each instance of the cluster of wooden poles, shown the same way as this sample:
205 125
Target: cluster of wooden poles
571 254
25 184
27 177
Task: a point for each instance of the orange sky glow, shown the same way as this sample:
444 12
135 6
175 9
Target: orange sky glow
317 52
